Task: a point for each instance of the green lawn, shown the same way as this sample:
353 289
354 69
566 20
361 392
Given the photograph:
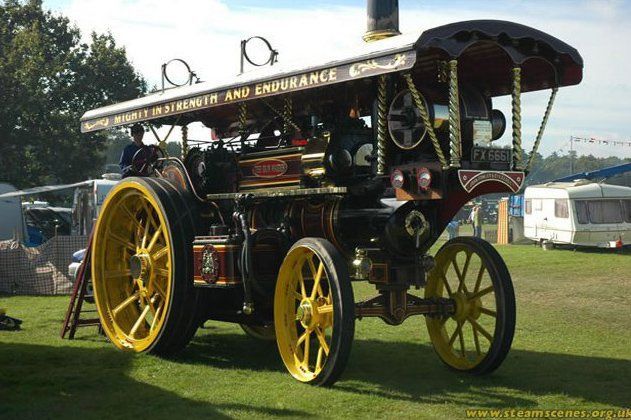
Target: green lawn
572 349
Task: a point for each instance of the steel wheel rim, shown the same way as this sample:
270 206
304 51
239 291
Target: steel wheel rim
132 267
303 314
464 339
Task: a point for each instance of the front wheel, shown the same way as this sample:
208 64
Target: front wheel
314 312
142 267
478 336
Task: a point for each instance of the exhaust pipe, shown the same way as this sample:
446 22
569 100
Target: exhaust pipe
383 20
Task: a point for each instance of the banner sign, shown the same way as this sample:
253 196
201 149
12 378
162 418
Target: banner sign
281 85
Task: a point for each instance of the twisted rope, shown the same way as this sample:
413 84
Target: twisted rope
542 128
420 104
454 116
381 124
184 141
517 149
288 112
285 118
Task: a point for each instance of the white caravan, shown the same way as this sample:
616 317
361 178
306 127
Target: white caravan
582 213
11 220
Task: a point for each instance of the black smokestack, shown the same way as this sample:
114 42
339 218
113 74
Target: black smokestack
383 19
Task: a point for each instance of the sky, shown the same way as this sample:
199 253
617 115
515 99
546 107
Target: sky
207 34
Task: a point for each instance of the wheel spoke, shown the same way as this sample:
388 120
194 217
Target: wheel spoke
154 239
125 242
316 282
480 329
149 222
160 253
162 271
478 281
303 290
115 274
481 293
305 353
476 339
131 216
444 280
318 365
139 321
302 338
322 340
156 317
462 276
458 274
158 287
461 337
298 296
455 334
125 303
488 312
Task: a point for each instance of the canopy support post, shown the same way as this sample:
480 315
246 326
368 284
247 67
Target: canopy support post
455 141
288 113
382 97
184 141
243 123
420 104
542 128
516 106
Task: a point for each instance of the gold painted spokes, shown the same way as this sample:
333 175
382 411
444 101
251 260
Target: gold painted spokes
308 313
133 267
463 339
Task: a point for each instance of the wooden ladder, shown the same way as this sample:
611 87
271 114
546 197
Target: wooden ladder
73 320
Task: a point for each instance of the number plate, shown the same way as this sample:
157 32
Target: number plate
486 154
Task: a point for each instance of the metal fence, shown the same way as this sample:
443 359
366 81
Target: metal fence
41 270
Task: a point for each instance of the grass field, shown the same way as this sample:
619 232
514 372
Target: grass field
572 349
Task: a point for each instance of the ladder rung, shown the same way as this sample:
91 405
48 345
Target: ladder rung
86 322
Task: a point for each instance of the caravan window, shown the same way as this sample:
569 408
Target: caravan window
561 208
538 204
604 211
626 206
581 212
529 206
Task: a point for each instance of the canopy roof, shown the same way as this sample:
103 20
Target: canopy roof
486 51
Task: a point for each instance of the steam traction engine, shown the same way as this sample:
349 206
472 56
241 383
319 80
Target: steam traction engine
323 175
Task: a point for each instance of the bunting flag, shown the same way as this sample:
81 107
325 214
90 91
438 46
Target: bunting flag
601 142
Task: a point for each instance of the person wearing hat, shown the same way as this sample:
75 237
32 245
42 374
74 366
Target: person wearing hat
137 133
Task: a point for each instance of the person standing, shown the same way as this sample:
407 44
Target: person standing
452 229
476 220
137 133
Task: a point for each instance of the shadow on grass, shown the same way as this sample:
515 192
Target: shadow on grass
405 371
413 372
68 382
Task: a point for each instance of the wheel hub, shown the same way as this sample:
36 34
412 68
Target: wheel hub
307 314
466 307
140 266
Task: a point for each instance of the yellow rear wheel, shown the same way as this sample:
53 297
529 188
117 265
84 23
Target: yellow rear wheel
478 336
139 267
314 313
